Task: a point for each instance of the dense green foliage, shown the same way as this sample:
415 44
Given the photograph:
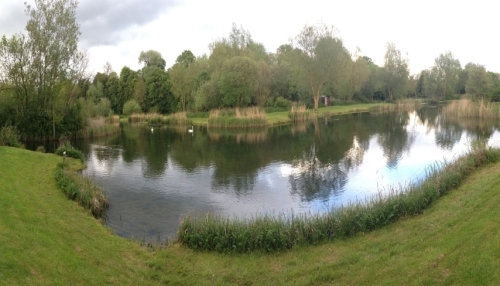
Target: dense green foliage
66 150
9 136
56 99
271 233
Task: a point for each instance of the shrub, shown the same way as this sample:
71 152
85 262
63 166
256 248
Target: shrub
40 149
131 107
9 136
281 102
70 151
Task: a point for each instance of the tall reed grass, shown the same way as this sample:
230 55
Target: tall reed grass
81 190
466 108
407 104
99 127
270 233
178 118
299 113
244 117
150 118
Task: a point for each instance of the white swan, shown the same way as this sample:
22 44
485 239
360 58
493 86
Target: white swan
190 130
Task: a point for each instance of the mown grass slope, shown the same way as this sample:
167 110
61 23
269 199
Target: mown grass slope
46 239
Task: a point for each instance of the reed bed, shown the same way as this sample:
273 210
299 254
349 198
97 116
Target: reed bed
239 118
299 113
178 118
466 108
81 190
270 233
150 118
99 127
401 105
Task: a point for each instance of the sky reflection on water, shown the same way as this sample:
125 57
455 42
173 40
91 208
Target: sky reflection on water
154 178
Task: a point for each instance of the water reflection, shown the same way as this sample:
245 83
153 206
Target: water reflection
153 178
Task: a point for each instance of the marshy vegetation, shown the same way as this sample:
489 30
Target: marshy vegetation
81 190
237 117
178 118
466 108
99 127
270 233
299 113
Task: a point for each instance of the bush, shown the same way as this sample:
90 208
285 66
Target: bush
131 107
70 151
9 136
40 149
281 102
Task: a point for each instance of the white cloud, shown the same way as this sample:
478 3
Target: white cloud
422 29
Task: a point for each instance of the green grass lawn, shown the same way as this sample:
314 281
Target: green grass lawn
46 239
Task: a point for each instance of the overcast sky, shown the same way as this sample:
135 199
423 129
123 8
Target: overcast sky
118 30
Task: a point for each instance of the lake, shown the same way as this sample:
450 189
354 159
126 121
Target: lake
154 176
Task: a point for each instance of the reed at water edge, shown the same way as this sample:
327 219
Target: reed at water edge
80 189
178 118
466 108
299 113
244 117
100 127
149 118
271 233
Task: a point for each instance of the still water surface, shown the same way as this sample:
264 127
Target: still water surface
155 176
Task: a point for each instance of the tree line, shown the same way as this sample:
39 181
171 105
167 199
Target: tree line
46 91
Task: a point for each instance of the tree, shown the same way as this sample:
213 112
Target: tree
395 73
186 58
239 82
478 82
448 69
37 64
323 57
152 58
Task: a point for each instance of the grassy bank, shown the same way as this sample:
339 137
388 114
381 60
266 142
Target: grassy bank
48 240
270 233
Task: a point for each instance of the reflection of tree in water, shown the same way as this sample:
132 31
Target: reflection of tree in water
394 138
241 183
317 180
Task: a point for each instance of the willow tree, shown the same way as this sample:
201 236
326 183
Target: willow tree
323 58
44 64
395 72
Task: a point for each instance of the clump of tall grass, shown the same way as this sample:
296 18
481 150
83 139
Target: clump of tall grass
178 118
67 150
244 117
407 104
269 233
299 113
10 136
81 190
100 127
150 118
466 108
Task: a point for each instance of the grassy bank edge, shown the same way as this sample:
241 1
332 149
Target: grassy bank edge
268 233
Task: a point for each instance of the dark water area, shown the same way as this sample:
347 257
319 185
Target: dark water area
153 177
